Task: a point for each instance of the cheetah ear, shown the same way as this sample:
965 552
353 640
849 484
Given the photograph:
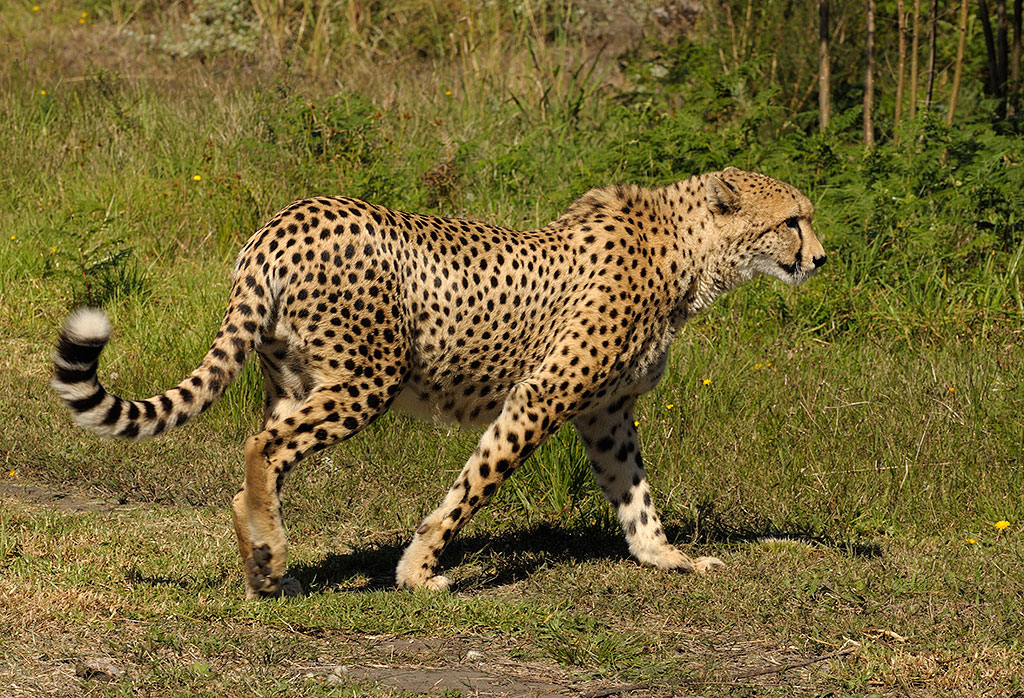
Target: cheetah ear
722 197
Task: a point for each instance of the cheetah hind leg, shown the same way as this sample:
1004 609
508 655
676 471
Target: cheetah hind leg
289 586
323 419
284 395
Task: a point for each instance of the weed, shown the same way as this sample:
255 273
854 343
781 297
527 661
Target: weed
98 264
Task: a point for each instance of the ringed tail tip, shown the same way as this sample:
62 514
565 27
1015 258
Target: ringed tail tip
88 326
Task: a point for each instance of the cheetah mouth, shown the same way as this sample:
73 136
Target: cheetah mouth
795 273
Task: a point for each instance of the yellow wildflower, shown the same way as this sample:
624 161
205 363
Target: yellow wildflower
14 237
707 381
971 541
636 423
197 177
447 93
53 250
35 8
1001 524
670 405
952 389
42 92
12 473
757 367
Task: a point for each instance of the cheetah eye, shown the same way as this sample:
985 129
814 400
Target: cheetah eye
793 223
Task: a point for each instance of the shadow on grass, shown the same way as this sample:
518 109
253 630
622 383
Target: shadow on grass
133 575
507 558
511 557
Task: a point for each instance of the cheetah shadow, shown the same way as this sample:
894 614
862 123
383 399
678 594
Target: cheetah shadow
479 560
487 560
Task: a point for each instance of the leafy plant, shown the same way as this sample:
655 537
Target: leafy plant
99 265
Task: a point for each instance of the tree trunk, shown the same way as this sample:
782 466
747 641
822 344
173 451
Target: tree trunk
748 34
1002 54
869 77
959 68
824 67
1015 58
901 67
932 28
990 48
914 51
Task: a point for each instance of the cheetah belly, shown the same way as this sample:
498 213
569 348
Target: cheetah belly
427 403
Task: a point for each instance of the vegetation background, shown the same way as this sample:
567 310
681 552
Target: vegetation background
851 448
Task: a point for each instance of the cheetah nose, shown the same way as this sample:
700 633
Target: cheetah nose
819 262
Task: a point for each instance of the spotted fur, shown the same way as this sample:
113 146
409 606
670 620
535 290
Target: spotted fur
353 308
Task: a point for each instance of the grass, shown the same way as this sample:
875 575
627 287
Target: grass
853 435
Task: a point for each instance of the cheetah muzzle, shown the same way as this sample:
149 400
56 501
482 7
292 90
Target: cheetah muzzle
353 308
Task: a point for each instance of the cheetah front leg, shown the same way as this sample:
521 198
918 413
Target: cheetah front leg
614 451
521 427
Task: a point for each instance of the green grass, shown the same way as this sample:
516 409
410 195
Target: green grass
855 432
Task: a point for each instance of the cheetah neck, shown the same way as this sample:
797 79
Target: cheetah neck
710 266
720 276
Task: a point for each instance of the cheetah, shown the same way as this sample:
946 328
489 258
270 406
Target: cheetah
354 308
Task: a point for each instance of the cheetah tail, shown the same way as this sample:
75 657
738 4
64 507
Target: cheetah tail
83 337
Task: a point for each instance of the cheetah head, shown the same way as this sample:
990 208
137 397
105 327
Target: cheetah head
766 224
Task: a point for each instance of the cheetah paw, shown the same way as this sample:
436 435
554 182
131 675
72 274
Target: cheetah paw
703 565
287 588
437 583
667 558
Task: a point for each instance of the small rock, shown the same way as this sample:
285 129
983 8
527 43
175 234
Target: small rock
337 675
98 669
